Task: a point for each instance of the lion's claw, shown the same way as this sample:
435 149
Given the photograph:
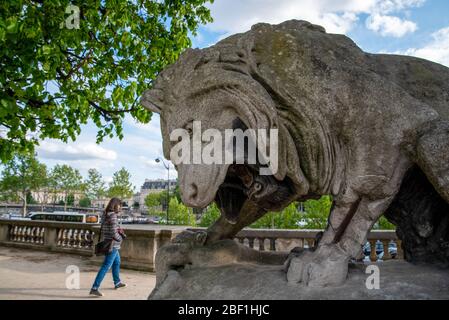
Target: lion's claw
327 266
189 237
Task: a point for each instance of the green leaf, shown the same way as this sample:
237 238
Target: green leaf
11 25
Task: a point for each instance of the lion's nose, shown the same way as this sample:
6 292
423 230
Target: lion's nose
190 195
193 191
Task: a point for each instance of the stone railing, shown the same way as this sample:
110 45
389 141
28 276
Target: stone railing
285 240
139 249
49 236
137 252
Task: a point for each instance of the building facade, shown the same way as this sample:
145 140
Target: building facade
103 202
153 186
46 196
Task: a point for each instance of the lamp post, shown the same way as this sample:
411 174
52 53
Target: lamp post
167 166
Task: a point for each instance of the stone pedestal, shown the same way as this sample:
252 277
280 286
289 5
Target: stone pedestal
397 280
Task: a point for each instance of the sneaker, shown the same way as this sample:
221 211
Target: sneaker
95 292
120 285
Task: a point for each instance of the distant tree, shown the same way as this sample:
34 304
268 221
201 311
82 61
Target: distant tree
210 215
46 190
266 221
71 199
30 198
66 180
384 224
64 63
316 213
286 219
314 216
52 189
163 197
177 193
95 187
179 214
3 196
153 200
85 202
22 175
121 187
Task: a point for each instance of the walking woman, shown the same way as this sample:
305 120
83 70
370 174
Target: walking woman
110 231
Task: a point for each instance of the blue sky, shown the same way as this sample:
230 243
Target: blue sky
412 27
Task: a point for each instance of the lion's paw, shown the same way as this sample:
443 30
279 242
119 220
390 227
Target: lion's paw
194 238
327 266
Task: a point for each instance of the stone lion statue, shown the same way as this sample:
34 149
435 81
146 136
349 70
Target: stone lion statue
371 130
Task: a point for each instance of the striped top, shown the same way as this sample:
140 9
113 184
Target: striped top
110 227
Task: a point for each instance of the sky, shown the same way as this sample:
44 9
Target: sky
410 27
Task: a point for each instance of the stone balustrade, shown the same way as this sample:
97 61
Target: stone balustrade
285 240
137 252
139 249
49 236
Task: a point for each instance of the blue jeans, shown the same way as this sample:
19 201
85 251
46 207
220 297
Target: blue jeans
112 259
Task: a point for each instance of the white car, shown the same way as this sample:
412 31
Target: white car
14 216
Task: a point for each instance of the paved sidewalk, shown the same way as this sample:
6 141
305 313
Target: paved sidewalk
28 274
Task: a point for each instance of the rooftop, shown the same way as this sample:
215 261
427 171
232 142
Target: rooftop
158 184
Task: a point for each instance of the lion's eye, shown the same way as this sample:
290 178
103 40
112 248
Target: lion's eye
257 186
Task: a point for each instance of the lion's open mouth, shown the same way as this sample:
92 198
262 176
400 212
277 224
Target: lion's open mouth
242 184
234 191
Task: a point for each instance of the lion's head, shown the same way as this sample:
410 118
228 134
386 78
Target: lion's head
222 87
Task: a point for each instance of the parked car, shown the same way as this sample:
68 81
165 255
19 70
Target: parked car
164 221
392 250
153 220
379 250
367 249
125 219
13 216
140 220
65 216
4 216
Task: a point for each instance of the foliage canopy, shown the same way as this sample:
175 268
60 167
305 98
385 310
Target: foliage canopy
56 74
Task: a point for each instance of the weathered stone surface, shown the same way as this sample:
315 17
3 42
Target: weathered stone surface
422 220
399 280
351 124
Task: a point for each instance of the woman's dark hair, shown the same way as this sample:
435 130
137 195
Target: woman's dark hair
113 205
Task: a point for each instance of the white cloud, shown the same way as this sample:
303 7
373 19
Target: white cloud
158 169
142 143
387 6
436 50
233 16
53 149
108 179
390 25
153 127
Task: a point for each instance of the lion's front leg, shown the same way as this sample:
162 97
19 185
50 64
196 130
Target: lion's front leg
343 239
223 229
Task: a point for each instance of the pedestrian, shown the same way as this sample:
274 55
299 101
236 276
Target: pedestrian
112 235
